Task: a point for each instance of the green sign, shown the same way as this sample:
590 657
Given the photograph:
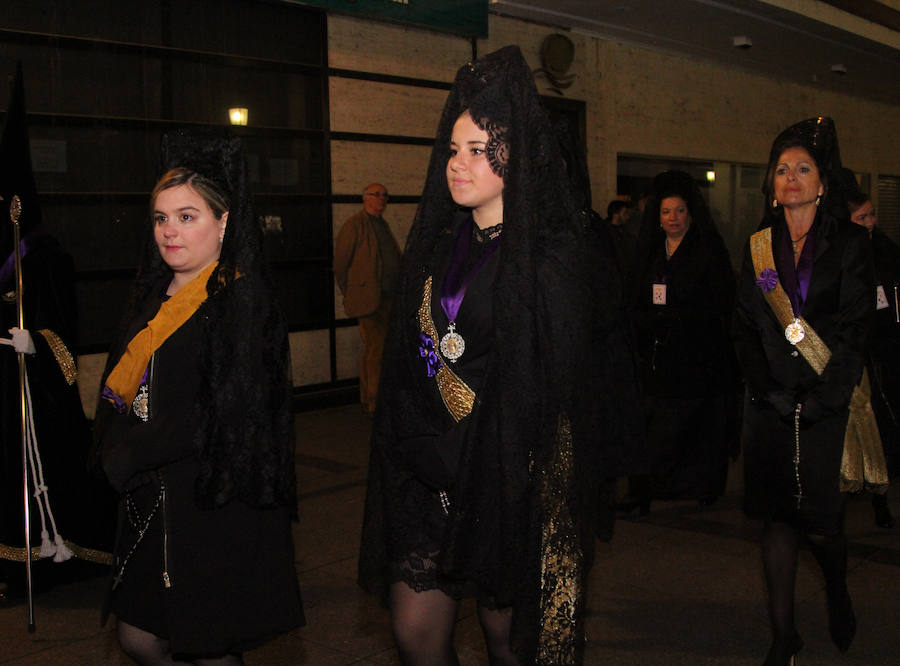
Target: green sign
461 17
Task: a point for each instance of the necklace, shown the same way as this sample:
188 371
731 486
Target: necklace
674 246
796 243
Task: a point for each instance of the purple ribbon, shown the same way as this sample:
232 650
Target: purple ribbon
117 401
768 279
26 244
110 396
426 351
453 291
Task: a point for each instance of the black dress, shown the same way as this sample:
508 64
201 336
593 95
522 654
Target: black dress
838 306
414 503
688 364
210 581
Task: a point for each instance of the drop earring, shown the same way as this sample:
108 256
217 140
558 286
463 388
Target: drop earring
774 203
818 199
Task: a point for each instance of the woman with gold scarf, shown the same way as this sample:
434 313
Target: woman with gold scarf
804 308
195 429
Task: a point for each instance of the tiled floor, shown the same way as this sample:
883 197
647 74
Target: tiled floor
682 586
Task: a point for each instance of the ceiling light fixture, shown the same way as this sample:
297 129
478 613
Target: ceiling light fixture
741 42
839 69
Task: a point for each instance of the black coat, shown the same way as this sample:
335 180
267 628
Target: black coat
838 306
684 345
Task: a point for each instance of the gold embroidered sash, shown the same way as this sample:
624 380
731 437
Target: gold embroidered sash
863 462
125 378
814 350
456 394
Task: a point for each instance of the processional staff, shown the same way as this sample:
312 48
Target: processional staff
15 212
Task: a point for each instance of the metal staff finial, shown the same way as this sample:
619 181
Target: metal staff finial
15 212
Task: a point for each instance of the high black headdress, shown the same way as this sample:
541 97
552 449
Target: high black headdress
16 175
818 137
217 155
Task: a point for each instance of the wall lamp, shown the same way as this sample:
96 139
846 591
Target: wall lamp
238 115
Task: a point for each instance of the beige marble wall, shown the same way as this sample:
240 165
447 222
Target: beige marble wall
385 48
90 371
400 168
384 108
348 348
310 359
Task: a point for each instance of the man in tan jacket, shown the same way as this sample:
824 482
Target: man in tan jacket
366 266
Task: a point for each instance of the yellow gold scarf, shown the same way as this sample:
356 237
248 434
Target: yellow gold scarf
125 378
863 463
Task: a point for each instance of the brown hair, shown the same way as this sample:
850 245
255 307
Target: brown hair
208 190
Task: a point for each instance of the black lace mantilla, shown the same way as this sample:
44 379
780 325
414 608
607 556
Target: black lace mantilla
245 434
541 372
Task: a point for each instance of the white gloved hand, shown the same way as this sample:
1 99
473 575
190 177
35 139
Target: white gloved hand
22 341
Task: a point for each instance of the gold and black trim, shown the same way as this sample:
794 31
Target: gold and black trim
62 355
88 554
562 559
457 396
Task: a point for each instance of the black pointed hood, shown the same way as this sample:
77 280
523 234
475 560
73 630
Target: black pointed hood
16 174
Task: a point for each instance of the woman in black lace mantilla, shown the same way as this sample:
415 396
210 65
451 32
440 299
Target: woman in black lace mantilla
481 453
195 428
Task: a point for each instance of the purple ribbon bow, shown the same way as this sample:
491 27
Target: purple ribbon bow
767 280
426 351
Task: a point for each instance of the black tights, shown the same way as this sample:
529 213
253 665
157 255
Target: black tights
780 543
150 650
424 623
779 554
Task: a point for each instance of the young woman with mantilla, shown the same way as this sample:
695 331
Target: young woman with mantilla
480 449
804 307
195 428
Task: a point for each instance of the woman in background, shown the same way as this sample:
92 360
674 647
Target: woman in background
681 298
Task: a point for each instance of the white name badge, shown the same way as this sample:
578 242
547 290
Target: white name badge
881 301
659 294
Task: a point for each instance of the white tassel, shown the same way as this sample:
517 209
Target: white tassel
47 547
60 551
63 552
